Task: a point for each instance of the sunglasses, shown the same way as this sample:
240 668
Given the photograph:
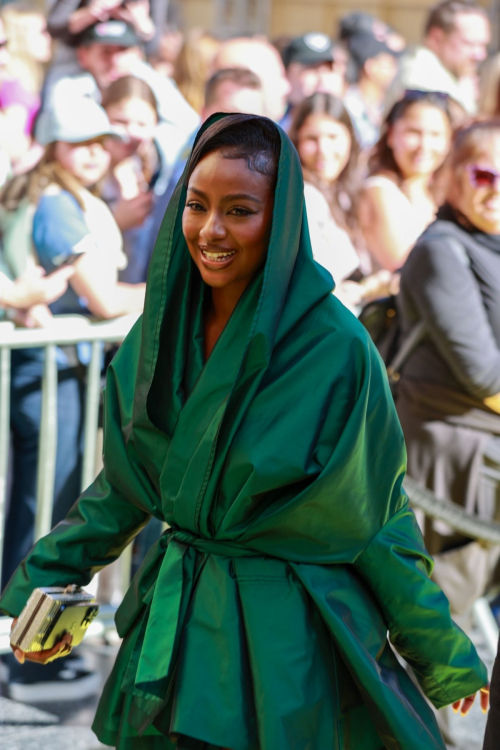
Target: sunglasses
482 177
415 95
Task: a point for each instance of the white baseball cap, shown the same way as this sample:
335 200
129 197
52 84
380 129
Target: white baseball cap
73 120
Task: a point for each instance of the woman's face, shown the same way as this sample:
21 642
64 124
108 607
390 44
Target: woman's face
476 190
227 221
324 146
136 120
87 161
420 140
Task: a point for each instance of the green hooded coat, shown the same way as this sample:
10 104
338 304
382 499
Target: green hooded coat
261 619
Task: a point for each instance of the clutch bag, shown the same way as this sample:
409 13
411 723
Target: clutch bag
51 613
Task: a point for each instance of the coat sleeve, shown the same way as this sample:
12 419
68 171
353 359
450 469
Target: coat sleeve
397 566
108 514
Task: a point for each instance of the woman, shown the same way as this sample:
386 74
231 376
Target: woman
323 135
398 201
448 398
136 164
256 621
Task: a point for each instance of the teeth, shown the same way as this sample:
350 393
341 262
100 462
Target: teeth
216 256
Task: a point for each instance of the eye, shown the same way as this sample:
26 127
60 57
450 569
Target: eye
238 211
194 206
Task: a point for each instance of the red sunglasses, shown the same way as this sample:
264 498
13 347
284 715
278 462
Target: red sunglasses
481 177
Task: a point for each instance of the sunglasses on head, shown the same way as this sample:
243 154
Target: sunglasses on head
416 95
481 177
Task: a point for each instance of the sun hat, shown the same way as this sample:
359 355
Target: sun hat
74 120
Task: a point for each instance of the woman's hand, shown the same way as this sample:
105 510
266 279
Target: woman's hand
465 704
63 648
33 288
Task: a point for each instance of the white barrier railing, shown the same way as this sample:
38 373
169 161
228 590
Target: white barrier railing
64 330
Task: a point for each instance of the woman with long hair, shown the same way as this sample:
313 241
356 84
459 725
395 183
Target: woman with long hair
136 166
398 201
249 410
323 134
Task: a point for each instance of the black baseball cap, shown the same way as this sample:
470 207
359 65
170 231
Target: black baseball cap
309 49
363 47
114 31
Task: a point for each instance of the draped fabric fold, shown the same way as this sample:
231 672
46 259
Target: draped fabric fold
261 619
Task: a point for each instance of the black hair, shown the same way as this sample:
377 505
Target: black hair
239 136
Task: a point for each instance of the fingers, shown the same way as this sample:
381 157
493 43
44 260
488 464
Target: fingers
63 648
484 697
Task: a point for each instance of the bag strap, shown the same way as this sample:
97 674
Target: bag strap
419 331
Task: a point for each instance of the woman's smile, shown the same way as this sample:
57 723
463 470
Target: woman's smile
227 221
216 257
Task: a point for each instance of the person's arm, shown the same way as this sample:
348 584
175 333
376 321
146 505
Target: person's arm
389 225
105 296
67 16
397 568
32 288
59 230
446 296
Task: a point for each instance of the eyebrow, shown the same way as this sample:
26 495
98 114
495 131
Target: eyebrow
232 196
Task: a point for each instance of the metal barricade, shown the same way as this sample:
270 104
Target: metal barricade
65 330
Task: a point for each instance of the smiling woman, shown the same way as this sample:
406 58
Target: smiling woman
250 411
227 231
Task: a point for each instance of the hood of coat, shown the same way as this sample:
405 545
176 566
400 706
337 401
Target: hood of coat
290 284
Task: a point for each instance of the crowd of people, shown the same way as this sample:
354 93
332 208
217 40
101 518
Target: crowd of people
100 104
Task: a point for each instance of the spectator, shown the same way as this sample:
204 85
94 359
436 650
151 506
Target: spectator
313 64
69 18
323 135
489 87
193 65
135 166
30 44
107 51
19 100
398 200
377 66
359 23
262 59
449 394
230 90
457 34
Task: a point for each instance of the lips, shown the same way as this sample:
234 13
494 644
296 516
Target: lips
217 258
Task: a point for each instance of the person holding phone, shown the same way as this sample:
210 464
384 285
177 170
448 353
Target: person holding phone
70 224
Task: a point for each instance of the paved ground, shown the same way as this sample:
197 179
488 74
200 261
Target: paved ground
46 726
67 725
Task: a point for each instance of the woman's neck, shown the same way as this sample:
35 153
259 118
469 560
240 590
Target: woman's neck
222 305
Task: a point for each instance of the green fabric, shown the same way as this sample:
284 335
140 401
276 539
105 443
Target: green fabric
260 620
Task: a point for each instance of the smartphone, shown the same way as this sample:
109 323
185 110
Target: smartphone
68 261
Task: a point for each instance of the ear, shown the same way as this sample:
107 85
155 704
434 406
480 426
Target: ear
81 56
435 37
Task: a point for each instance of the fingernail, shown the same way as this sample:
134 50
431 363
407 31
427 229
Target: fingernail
456 710
19 656
484 710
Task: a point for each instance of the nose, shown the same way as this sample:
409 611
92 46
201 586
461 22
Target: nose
213 230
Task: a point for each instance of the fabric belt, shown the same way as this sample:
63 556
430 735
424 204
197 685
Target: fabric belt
163 594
